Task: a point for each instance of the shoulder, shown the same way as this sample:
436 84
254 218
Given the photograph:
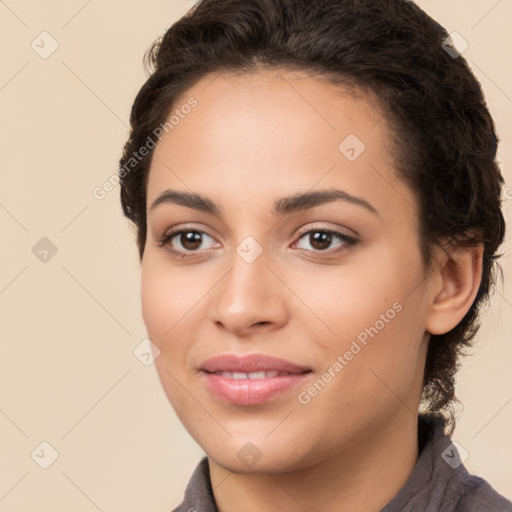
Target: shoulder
440 482
479 496
466 491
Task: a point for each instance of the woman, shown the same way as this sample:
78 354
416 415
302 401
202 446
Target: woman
317 206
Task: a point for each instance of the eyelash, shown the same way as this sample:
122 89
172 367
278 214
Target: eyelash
347 241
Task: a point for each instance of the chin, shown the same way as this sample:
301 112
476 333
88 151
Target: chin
257 454
269 464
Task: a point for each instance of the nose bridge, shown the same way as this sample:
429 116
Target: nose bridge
247 282
249 293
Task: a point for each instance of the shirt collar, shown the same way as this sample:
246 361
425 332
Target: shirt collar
438 469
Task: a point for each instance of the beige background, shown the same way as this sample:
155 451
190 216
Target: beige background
69 325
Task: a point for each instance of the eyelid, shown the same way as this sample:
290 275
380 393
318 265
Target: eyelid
322 227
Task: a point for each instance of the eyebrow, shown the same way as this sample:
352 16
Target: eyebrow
283 206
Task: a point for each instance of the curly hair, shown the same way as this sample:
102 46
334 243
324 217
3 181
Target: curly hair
444 137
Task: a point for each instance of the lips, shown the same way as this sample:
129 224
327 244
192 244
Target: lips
252 375
252 379
250 363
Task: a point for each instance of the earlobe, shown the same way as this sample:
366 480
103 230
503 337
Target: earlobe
459 274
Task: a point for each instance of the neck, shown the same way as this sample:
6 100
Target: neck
364 477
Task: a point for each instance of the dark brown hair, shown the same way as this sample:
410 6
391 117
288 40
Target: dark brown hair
444 137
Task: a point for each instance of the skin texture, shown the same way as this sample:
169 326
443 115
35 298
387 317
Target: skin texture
253 139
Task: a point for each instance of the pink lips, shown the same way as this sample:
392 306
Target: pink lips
250 380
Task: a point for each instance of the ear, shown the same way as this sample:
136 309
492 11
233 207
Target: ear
457 276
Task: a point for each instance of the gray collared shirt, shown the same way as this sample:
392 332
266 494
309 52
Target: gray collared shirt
438 483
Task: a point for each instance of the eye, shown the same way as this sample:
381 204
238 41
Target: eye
321 240
185 241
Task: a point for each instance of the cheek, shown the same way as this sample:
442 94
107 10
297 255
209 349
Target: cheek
173 300
165 300
154 299
343 302
370 316
167 295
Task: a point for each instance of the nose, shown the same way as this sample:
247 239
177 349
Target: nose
249 299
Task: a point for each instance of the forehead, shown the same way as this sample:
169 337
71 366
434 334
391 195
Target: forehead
272 133
276 109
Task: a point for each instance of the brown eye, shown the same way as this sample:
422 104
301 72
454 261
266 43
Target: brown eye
325 240
320 240
190 240
185 241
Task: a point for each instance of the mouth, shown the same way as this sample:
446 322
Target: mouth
251 380
251 364
263 374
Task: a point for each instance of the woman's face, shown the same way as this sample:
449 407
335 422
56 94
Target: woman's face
300 243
